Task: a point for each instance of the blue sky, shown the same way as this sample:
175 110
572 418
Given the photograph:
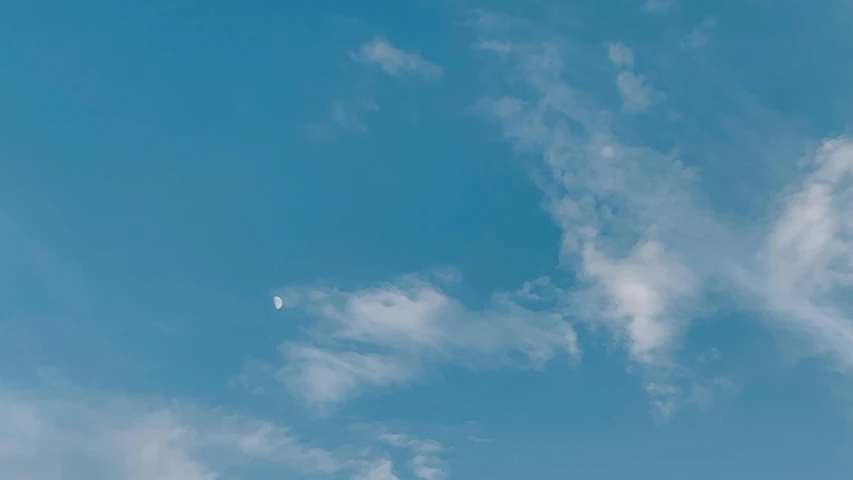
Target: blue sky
588 239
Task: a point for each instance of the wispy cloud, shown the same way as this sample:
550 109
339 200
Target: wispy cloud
424 462
805 264
382 469
630 225
427 467
329 376
396 62
644 246
76 433
620 54
126 438
641 288
660 6
403 440
385 335
636 94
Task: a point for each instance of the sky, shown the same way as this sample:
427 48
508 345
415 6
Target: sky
597 239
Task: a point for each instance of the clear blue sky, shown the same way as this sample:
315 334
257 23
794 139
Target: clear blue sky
512 239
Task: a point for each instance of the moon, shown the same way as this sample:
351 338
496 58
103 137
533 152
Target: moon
276 300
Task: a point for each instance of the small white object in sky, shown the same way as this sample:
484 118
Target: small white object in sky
276 300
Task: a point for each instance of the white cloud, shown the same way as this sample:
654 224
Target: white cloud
427 468
647 251
620 54
636 94
124 438
660 6
396 62
425 463
805 266
640 289
329 377
73 433
382 469
383 335
632 232
402 440
645 299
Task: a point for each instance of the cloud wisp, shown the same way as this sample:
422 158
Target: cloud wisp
804 267
636 94
396 62
620 55
128 438
95 435
387 335
425 462
382 469
660 6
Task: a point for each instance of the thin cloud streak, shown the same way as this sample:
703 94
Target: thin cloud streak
396 62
